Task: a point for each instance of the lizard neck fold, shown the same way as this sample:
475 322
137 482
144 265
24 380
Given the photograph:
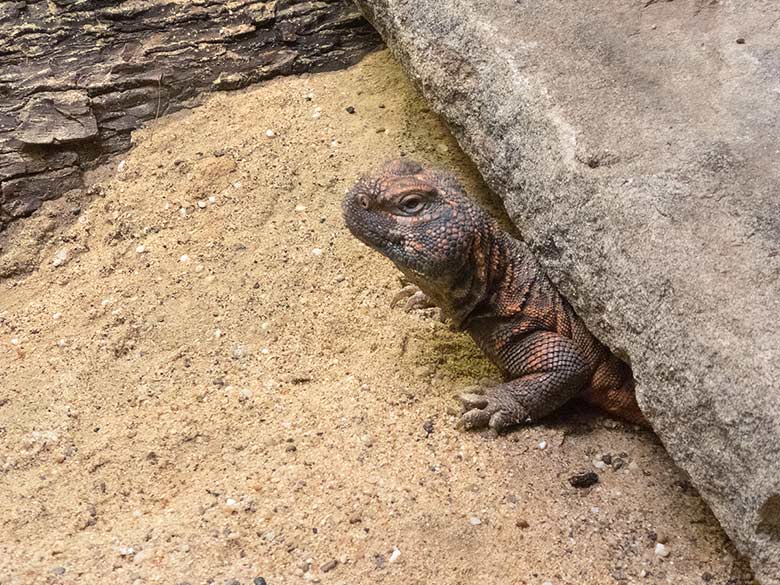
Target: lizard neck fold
472 293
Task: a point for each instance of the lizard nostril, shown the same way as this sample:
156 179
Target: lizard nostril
363 200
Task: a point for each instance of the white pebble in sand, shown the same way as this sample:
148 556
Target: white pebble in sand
126 551
202 204
183 211
316 251
212 200
661 550
14 341
300 208
184 258
543 445
61 256
140 249
395 554
474 521
270 133
57 316
230 506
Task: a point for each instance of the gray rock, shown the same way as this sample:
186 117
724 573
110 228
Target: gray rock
637 147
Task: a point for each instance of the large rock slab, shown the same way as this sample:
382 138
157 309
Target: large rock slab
637 147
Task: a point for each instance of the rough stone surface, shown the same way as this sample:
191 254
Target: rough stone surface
76 77
637 145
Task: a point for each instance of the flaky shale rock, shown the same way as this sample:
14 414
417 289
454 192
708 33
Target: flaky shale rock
78 76
637 147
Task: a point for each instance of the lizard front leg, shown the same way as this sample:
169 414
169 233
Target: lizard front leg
549 372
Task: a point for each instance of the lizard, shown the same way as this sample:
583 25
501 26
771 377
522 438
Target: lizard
488 285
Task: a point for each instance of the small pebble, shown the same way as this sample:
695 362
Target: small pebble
184 258
740 41
474 521
212 200
394 556
58 570
61 257
300 208
643 573
365 388
607 458
202 204
57 316
183 211
661 550
428 426
367 440
599 465
140 249
126 551
583 480
121 166
269 133
543 445
230 506
595 510
14 341
232 582
522 523
258 581
316 251
329 566
350 109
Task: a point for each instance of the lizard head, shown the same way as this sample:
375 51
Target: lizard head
421 219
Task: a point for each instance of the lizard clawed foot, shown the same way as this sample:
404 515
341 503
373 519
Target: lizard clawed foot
494 408
415 298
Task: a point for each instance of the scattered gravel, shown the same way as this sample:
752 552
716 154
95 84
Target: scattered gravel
329 566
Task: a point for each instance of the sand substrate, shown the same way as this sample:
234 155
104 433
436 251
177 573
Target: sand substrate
203 381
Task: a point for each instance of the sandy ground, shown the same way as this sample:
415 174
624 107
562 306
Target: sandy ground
202 382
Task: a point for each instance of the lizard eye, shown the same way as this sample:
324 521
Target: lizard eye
411 204
363 200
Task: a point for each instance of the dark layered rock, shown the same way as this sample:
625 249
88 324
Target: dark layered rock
77 76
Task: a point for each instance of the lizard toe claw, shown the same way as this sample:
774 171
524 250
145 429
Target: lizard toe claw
501 421
476 418
418 300
405 293
472 401
415 298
